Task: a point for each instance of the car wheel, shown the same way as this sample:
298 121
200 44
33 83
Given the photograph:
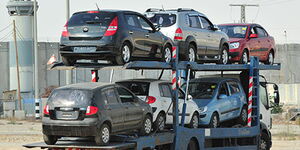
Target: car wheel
194 123
103 136
244 58
167 54
270 59
193 145
125 54
243 118
160 122
265 143
49 139
146 126
192 57
67 61
214 121
224 58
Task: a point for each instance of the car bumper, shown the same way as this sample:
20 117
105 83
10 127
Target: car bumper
204 119
235 54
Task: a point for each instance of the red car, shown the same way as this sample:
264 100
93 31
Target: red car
249 40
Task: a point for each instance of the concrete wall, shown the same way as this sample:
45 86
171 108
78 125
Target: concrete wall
4 68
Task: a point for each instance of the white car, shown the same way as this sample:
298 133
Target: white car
157 93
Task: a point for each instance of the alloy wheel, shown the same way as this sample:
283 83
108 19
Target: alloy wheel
245 58
224 56
215 121
105 135
192 56
168 55
161 122
148 125
126 53
195 121
271 58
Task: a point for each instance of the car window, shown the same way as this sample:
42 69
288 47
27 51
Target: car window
125 95
110 96
131 20
263 96
234 31
223 89
164 20
205 23
70 98
261 32
194 22
202 90
96 19
144 24
138 88
234 87
165 90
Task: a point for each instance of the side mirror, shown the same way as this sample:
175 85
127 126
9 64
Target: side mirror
215 27
222 96
157 27
253 36
276 94
190 97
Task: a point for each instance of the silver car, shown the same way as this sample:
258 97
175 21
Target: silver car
197 38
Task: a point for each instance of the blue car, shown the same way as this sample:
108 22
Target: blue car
219 99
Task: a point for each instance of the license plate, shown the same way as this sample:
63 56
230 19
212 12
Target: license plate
84 49
67 115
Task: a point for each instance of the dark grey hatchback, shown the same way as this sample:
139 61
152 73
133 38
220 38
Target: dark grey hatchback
94 110
114 35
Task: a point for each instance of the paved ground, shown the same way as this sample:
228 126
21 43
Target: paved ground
13 134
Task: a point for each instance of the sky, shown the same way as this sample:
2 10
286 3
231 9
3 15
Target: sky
276 16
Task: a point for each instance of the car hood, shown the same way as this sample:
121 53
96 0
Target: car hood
232 40
202 102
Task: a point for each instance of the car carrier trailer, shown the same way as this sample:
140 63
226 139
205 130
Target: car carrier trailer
180 137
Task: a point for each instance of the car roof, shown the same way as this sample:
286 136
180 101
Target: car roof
85 86
109 10
212 79
238 24
174 11
143 80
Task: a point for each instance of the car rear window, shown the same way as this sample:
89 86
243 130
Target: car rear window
70 98
234 31
101 18
164 20
138 88
202 90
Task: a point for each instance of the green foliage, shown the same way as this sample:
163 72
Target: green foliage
276 108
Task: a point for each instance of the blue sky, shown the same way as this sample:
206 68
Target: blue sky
276 16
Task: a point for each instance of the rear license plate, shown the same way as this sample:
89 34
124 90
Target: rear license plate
67 114
84 49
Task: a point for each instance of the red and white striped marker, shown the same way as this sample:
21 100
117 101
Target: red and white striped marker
174 71
52 60
250 100
94 77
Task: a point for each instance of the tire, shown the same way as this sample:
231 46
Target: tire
146 126
193 145
243 118
191 53
194 123
103 136
214 121
245 57
265 143
224 57
160 122
270 59
124 55
49 139
167 54
67 61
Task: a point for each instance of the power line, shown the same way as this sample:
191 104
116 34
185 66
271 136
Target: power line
5 27
6 36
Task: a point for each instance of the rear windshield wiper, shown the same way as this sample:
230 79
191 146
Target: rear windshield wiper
92 22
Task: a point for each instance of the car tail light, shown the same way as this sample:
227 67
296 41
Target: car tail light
93 12
65 32
91 110
178 34
46 110
150 99
112 28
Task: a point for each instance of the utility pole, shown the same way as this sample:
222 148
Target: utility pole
17 62
68 72
36 68
243 10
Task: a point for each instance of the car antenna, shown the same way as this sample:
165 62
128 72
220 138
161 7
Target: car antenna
162 6
97 7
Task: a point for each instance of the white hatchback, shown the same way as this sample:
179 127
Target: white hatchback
158 94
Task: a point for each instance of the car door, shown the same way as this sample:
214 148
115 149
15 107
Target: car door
137 34
254 43
113 108
213 38
236 99
198 33
263 40
153 40
223 104
133 111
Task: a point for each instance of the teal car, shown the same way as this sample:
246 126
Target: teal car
219 99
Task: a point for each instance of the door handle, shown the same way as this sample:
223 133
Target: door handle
147 35
130 32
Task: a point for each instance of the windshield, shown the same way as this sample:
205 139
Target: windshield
70 98
202 90
101 18
138 88
234 31
164 20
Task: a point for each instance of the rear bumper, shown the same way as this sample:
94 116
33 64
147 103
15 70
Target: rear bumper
70 131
